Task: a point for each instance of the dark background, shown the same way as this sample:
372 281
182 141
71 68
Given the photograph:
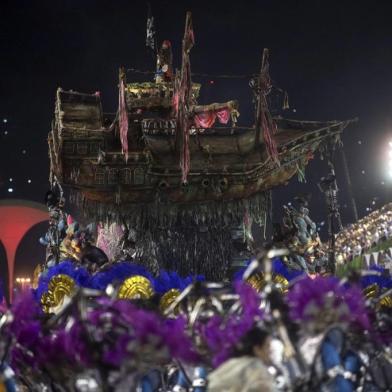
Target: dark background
333 57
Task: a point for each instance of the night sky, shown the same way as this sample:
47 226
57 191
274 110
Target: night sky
333 57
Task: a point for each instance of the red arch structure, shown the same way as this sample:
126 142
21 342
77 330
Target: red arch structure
17 217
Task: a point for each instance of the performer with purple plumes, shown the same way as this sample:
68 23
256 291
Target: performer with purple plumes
247 370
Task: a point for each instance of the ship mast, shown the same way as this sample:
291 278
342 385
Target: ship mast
182 99
123 113
264 122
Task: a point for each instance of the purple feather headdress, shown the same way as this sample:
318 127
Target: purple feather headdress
109 334
24 329
321 302
221 334
126 333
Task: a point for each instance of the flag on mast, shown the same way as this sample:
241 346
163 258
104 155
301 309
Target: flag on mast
150 31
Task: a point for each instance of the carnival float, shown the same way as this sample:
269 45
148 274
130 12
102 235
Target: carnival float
158 283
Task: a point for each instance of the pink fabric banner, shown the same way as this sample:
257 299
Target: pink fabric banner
223 116
207 119
204 120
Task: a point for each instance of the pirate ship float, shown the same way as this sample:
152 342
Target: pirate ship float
183 176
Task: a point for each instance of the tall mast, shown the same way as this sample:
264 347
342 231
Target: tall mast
264 122
182 99
349 184
122 112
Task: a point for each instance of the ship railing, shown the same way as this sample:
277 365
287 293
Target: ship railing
155 126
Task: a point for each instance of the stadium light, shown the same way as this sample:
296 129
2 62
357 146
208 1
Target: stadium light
23 282
389 162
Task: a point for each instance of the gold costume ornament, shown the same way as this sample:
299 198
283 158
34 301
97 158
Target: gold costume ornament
283 283
257 281
372 291
168 298
59 287
36 275
386 302
136 287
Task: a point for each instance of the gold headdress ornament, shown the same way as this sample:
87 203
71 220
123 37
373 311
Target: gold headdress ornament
36 275
372 291
59 287
135 287
282 282
386 301
168 298
258 282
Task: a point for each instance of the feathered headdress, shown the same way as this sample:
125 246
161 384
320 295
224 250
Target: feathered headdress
321 302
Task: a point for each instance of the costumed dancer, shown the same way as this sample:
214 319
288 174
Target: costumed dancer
57 226
247 370
302 238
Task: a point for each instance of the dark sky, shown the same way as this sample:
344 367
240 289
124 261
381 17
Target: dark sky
333 57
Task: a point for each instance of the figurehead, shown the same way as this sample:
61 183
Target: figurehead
164 71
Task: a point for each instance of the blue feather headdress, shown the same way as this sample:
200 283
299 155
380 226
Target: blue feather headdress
167 280
79 274
278 268
117 273
382 278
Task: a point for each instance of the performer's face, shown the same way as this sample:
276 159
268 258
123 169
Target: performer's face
263 351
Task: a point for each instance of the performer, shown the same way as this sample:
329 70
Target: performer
302 238
247 371
306 227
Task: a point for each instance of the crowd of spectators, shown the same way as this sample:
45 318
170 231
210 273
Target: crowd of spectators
360 237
